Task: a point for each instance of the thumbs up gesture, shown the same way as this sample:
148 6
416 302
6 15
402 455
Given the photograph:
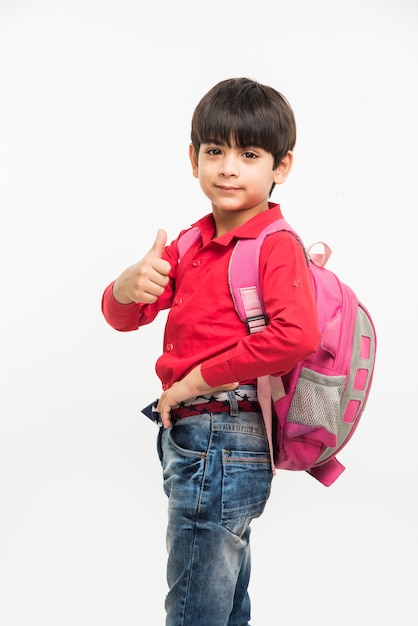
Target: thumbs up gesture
146 280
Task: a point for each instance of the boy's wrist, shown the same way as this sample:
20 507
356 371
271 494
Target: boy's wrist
119 296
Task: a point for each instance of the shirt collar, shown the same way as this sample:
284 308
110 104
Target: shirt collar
249 230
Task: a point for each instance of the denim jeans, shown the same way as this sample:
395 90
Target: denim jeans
217 476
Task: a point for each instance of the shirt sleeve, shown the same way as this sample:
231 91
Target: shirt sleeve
122 317
292 331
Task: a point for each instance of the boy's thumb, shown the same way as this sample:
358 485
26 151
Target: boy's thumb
159 243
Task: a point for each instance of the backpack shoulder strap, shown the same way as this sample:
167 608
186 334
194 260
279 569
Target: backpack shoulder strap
243 272
244 278
187 239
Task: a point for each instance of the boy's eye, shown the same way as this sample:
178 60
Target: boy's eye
214 151
250 155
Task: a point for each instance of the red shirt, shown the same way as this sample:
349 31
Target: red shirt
203 327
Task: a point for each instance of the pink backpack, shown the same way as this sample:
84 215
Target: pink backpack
323 397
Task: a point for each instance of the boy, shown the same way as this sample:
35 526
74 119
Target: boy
213 443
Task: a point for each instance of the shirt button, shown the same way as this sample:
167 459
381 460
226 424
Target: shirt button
178 300
169 347
196 263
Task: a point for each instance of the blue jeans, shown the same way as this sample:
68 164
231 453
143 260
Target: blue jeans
217 476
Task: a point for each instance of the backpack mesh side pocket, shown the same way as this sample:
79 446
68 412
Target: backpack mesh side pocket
317 401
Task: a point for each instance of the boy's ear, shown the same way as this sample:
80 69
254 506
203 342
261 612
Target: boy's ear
282 170
194 161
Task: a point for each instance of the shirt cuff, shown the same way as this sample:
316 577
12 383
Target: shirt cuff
217 373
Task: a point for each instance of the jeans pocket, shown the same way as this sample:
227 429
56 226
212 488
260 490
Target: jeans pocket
182 466
246 487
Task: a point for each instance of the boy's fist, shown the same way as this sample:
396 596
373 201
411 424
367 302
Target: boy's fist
145 281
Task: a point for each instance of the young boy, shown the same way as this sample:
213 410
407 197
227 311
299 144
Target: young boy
213 443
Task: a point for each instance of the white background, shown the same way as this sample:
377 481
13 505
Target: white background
96 99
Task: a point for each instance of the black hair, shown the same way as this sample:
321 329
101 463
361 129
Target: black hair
245 112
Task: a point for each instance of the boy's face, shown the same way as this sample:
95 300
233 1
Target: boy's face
237 179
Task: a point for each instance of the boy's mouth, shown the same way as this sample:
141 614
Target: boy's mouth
227 189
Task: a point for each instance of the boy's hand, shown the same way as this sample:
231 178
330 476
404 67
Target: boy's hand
145 281
191 385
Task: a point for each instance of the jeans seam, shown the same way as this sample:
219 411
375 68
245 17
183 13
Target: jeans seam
205 468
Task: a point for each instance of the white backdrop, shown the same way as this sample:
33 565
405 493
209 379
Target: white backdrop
96 99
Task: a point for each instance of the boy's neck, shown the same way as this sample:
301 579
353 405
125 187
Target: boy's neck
225 221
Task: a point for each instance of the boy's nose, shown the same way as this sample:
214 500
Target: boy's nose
229 166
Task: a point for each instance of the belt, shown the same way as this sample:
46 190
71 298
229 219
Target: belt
233 402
